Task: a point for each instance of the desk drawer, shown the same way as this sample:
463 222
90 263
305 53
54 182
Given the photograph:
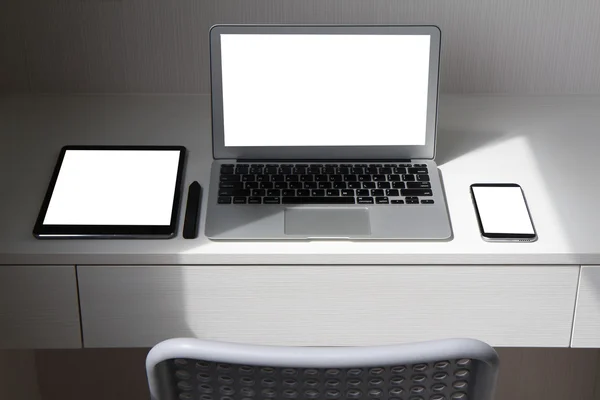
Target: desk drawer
38 307
586 329
327 305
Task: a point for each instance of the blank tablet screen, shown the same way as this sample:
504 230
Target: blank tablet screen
114 187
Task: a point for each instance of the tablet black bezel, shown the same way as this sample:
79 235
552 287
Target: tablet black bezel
42 231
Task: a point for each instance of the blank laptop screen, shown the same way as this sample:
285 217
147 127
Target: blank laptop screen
324 90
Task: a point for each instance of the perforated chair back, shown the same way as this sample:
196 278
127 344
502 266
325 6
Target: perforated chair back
192 369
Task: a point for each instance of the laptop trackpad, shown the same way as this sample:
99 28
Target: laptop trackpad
327 222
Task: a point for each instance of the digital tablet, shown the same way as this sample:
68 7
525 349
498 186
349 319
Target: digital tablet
113 192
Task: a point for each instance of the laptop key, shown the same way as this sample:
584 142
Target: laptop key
377 192
423 178
332 192
354 185
383 185
299 170
313 170
392 192
339 185
324 185
234 192
321 178
408 178
307 178
318 200
255 170
292 178
270 170
303 192
348 192
224 200
364 178
397 201
412 200
271 200
266 185
310 185
227 169
418 185
336 178
295 185
288 192
357 170
382 200
239 200
364 200
371 170
399 170
248 178
329 170
231 185
241 170
428 201
254 200
398 185
258 192
378 178
280 185
394 178
362 192
385 170
273 192
277 178
343 170
317 192
230 178
368 185
251 185
285 170
350 178
416 192
419 170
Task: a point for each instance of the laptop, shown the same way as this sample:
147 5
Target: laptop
325 132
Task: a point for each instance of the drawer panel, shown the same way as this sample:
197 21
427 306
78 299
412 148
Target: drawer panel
39 307
132 306
586 329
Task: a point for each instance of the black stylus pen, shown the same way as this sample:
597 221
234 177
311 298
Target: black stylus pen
192 211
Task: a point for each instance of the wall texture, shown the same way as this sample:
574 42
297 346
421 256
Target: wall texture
489 46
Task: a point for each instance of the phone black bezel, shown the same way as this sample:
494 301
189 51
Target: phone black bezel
509 236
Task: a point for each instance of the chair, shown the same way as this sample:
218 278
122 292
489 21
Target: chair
450 369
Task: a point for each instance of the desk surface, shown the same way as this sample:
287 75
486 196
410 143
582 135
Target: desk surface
546 144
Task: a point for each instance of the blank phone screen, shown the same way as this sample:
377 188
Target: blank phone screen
502 210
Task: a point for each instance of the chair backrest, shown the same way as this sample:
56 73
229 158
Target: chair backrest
450 369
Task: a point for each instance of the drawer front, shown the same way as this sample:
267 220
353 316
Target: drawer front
39 307
327 305
586 328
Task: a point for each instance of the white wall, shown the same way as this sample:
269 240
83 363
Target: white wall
500 46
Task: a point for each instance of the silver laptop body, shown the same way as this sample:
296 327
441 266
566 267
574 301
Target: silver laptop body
325 132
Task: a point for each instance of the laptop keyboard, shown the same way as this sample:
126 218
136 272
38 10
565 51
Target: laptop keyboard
403 183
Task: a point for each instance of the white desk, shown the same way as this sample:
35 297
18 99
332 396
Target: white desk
134 293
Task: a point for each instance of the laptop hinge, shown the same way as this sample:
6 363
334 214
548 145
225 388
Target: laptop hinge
328 160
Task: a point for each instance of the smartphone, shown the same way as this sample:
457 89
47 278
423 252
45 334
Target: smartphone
502 212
